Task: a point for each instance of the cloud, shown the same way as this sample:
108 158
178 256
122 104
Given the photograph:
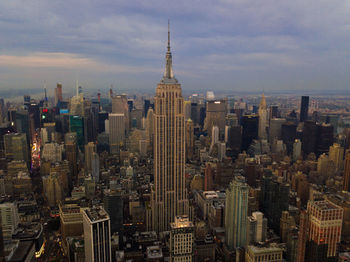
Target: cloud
66 61
298 39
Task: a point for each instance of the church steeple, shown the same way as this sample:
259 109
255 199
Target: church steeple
168 73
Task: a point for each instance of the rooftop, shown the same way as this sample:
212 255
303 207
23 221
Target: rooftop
154 252
181 222
324 205
96 213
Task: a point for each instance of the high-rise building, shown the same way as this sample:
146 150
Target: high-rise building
336 154
215 115
76 124
16 147
113 204
53 189
97 235
169 194
250 126
90 148
116 131
325 138
95 166
120 106
9 219
181 239
262 118
71 220
58 93
275 130
264 254
275 197
189 139
236 212
304 108
323 232
310 135
288 135
346 182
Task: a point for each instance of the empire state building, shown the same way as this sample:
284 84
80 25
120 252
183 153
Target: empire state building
169 194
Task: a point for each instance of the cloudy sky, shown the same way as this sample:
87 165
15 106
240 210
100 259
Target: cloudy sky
217 45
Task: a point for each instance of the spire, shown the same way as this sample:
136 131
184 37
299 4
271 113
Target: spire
168 73
263 102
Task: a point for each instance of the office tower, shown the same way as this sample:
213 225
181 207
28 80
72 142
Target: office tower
273 112
275 130
71 220
95 166
288 135
256 228
236 212
90 148
76 125
195 111
310 135
322 232
215 115
336 153
304 108
209 173
97 235
234 140
116 131
52 152
263 254
214 136
169 194
9 219
113 204
120 106
325 138
102 116
16 147
346 182
250 125
52 187
181 239
187 108
262 118
77 104
189 139
150 125
146 107
275 199
58 93
71 152
296 150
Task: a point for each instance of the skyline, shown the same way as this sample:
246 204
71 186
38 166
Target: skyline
224 46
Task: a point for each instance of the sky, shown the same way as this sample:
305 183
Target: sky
233 45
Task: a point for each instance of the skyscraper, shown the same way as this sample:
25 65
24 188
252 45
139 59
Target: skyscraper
181 239
346 182
189 139
116 131
304 108
169 194
262 118
322 232
236 212
97 235
58 93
